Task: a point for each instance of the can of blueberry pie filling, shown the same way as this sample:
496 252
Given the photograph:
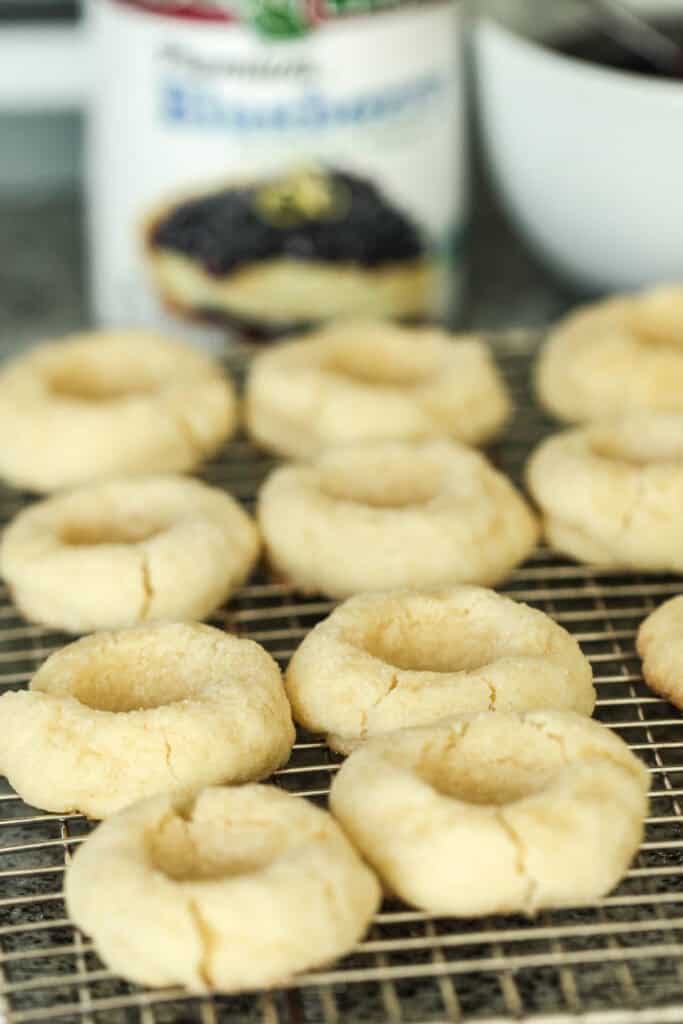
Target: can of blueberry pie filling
264 165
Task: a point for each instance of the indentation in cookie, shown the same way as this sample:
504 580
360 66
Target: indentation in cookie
506 772
655 318
641 441
87 533
366 363
127 680
186 849
86 382
366 479
440 643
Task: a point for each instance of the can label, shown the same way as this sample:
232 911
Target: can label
297 162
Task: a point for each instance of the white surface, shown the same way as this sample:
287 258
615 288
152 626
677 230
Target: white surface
589 161
42 68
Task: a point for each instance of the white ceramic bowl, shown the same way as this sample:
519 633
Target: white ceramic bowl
588 160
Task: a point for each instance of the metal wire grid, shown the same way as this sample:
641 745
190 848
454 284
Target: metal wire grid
618 961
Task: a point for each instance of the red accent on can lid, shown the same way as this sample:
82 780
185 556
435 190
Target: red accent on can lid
177 9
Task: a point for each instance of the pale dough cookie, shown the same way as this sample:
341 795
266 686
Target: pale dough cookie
612 493
660 645
389 660
234 890
112 554
116 717
618 356
393 514
496 813
110 403
364 381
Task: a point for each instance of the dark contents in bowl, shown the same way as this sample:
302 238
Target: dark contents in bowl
596 47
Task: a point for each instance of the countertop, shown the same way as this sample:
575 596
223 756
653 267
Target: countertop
43 275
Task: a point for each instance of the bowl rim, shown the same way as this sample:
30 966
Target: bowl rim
542 51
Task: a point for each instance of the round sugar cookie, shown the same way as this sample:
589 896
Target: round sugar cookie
391 660
361 381
660 645
234 889
495 813
115 717
112 554
110 403
611 492
612 358
392 514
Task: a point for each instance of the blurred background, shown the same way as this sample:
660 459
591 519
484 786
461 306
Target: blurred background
536 167
43 288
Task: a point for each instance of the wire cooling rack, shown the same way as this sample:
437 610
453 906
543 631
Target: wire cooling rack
618 961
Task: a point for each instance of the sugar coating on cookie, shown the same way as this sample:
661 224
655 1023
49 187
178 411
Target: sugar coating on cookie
660 645
369 380
614 357
110 403
109 555
235 889
495 813
393 514
401 658
611 492
115 717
